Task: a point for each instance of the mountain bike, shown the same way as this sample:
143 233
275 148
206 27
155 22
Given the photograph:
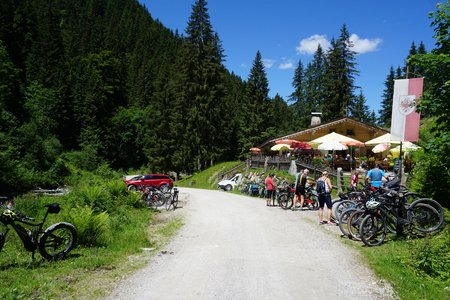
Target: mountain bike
418 217
172 202
53 243
152 196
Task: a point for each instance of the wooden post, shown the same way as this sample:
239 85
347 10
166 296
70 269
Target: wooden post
340 179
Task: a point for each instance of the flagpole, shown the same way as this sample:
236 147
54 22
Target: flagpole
400 165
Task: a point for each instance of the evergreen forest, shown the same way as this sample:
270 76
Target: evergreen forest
100 82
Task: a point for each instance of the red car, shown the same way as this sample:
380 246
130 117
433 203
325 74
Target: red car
161 181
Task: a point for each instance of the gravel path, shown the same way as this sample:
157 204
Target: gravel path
235 247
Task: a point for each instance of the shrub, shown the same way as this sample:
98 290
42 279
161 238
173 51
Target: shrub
430 177
432 255
93 195
93 228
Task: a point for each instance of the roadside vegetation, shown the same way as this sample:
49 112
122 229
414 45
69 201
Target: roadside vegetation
116 235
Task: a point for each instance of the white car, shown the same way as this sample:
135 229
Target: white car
231 183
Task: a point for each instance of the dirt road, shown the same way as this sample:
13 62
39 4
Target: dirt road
235 247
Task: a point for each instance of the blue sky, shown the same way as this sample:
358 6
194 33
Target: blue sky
286 31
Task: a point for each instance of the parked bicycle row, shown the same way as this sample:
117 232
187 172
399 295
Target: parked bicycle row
156 198
371 214
365 212
281 194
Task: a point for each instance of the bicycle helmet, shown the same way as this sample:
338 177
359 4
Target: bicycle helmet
372 204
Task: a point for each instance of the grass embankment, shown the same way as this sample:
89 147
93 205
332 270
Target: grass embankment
418 268
207 179
116 236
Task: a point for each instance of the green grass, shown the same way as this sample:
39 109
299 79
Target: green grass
128 230
87 273
392 261
207 179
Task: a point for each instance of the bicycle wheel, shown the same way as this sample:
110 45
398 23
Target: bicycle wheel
424 217
57 241
354 223
285 201
158 199
335 203
168 202
373 230
342 206
433 203
175 201
313 204
343 221
147 199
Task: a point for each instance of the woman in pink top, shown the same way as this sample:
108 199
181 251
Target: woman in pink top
269 189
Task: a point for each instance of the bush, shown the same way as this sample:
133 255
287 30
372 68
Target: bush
431 255
430 177
93 228
93 195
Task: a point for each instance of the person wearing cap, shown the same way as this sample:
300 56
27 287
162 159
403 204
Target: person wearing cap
299 187
326 199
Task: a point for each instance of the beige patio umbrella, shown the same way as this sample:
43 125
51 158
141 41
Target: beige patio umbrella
384 139
335 137
406 147
279 147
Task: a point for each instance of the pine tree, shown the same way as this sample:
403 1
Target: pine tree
204 90
420 71
409 69
385 113
298 97
372 118
258 102
360 110
339 78
315 75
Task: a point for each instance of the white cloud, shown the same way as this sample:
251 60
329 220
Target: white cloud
287 64
268 63
364 45
309 45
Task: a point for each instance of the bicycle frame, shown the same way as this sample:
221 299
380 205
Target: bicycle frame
29 237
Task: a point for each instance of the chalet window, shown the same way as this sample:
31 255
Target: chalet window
350 132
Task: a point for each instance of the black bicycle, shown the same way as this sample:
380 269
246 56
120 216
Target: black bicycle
420 217
172 201
53 243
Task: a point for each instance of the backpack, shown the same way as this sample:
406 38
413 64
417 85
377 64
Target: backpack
320 187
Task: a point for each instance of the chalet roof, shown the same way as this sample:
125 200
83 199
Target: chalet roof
346 126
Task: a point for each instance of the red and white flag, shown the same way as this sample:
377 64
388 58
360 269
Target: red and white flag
405 120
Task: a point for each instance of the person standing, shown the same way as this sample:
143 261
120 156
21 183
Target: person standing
324 189
269 189
354 181
300 185
376 177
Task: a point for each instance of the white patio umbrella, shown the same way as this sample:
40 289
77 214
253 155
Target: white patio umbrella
332 145
381 147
